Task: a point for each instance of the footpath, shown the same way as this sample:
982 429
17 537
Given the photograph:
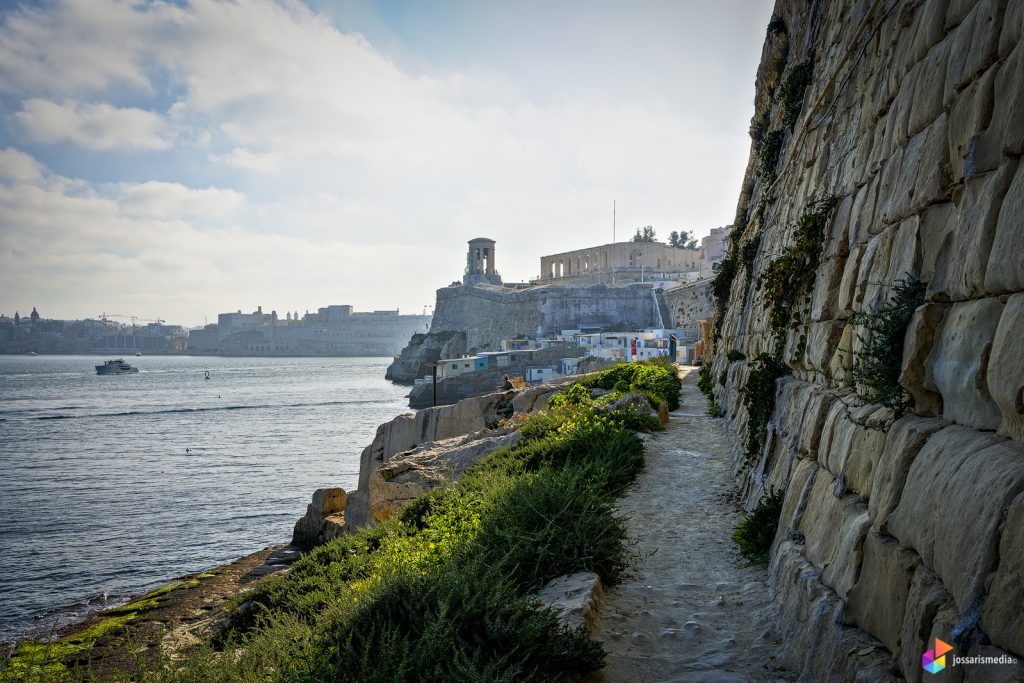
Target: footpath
691 611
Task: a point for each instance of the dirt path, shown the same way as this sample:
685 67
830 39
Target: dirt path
692 611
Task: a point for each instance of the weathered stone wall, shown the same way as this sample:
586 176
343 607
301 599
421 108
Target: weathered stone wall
489 314
914 123
689 304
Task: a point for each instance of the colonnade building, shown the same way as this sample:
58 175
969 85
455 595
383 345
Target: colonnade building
621 263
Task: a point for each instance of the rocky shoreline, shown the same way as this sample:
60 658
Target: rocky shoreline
409 456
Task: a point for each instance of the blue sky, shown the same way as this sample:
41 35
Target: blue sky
184 159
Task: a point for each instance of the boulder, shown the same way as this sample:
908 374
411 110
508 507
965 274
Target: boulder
574 597
631 403
415 472
324 518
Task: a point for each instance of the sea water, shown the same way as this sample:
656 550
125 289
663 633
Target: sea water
112 485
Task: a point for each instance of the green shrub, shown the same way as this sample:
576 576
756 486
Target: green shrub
706 381
441 591
788 280
794 85
759 400
756 532
769 155
735 355
877 363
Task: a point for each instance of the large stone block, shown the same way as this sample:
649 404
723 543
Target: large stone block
1006 369
848 285
877 602
1013 28
928 27
1005 272
933 179
927 598
964 254
957 492
960 360
936 223
916 375
974 45
815 639
928 90
969 116
833 529
825 296
854 450
1003 615
903 442
874 268
896 187
1005 135
838 243
862 213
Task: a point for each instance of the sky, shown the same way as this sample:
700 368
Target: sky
180 159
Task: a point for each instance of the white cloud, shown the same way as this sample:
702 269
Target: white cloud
81 46
171 200
362 177
97 126
19 167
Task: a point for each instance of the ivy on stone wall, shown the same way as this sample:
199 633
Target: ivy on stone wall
792 91
788 280
769 154
759 400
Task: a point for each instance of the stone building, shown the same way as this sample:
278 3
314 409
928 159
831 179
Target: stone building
620 263
712 250
480 263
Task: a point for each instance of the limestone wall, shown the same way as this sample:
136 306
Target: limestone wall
689 304
489 314
914 123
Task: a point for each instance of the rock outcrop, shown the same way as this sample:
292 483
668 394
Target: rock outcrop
422 351
416 452
905 116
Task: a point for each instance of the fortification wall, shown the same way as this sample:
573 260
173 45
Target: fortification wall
894 529
689 304
489 314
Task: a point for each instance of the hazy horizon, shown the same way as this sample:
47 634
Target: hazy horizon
183 159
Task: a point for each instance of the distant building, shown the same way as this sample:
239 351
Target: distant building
332 331
621 263
712 250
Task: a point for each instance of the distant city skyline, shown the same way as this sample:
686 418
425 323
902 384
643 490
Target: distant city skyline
177 160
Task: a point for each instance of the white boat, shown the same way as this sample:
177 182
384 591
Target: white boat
115 367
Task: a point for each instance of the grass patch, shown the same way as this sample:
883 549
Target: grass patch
442 591
756 532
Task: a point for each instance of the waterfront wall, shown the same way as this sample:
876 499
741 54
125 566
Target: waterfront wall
911 126
484 315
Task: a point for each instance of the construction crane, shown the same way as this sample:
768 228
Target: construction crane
133 318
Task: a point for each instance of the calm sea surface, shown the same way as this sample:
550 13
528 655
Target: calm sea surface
97 493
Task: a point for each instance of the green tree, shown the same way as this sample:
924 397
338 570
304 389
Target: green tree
645 234
682 240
